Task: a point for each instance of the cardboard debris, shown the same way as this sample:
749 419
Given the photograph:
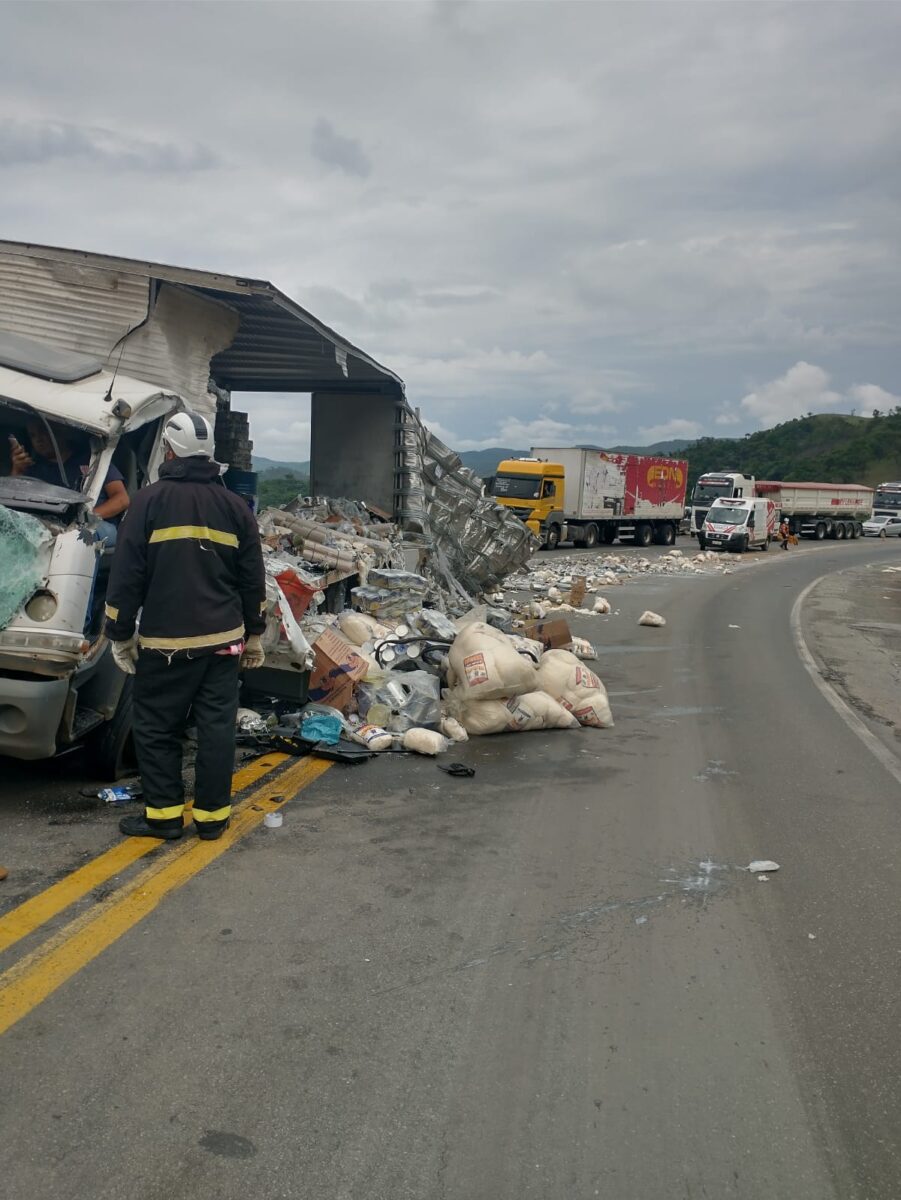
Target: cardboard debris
337 668
552 632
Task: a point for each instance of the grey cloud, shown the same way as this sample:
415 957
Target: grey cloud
668 204
31 143
336 150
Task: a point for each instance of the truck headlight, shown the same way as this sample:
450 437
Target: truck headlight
41 606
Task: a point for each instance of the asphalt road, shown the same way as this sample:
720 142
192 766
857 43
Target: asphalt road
551 981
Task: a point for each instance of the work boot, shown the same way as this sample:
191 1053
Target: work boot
137 826
211 835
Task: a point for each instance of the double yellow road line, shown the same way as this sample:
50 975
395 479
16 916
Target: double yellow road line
28 982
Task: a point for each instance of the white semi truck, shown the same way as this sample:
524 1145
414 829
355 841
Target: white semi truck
813 510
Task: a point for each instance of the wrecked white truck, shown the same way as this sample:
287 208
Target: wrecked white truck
103 349
58 687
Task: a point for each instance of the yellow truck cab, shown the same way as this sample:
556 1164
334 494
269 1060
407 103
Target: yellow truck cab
535 491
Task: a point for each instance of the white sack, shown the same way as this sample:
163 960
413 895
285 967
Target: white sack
425 741
538 710
582 648
453 730
486 665
360 628
578 689
651 618
601 605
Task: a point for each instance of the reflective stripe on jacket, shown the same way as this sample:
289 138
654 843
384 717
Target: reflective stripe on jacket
188 558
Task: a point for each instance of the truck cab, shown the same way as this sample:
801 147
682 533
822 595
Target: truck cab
535 491
59 686
739 524
717 485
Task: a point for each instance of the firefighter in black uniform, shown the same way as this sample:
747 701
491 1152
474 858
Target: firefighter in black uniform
189 561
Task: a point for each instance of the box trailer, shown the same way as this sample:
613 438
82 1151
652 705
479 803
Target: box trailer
591 496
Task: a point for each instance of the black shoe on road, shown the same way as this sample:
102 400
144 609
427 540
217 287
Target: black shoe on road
136 826
211 835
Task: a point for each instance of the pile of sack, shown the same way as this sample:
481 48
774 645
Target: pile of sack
470 679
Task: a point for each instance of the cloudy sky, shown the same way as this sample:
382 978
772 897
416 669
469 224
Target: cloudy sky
556 221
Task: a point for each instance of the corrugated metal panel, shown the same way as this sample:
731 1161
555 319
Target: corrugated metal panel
92 311
278 347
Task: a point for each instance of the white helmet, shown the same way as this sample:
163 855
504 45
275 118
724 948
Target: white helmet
189 435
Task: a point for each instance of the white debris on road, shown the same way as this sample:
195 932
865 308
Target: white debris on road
651 618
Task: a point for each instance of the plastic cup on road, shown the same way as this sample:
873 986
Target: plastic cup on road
273 820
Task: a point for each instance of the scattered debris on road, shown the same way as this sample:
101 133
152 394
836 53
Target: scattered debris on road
762 865
651 618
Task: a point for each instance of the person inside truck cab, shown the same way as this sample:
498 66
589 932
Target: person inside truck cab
75 460
549 489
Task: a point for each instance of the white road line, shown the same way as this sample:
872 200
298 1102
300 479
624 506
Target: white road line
890 761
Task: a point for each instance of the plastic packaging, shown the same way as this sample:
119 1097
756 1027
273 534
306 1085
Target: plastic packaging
321 725
373 737
273 820
425 741
119 795
435 625
402 701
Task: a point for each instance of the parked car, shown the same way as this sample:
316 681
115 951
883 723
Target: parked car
882 527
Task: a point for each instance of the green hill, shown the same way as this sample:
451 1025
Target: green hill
828 447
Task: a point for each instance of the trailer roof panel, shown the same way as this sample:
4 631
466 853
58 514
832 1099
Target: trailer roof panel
279 346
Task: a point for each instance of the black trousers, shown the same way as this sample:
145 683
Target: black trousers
164 693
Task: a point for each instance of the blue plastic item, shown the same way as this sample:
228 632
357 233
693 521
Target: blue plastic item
321 727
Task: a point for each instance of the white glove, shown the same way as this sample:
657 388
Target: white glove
253 655
125 655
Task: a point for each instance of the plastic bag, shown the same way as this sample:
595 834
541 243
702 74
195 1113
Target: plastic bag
321 725
299 644
486 664
402 700
578 689
425 741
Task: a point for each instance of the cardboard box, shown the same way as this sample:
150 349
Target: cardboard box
337 669
577 591
552 632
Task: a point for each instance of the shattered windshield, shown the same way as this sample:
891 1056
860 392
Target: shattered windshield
517 487
728 516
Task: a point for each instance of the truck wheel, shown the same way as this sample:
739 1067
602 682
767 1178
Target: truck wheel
839 532
643 534
111 748
552 538
591 537
852 531
664 535
820 532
